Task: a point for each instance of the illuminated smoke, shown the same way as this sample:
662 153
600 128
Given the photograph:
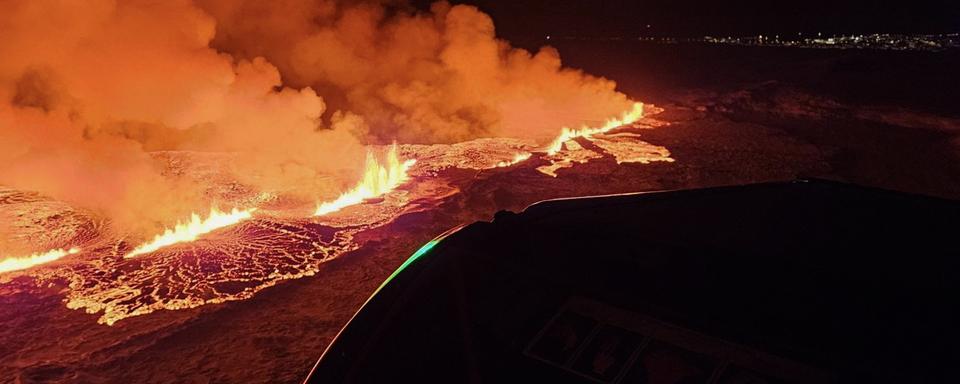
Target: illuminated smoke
416 77
91 91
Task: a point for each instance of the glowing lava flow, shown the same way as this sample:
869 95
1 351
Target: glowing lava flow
377 180
567 134
516 159
189 231
18 263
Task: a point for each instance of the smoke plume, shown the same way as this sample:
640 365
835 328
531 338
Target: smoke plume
293 89
437 76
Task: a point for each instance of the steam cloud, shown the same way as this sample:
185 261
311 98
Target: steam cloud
292 88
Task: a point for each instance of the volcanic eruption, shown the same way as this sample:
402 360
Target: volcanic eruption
122 122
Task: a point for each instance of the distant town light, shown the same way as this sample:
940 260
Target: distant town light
880 41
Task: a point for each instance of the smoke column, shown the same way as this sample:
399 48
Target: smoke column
292 90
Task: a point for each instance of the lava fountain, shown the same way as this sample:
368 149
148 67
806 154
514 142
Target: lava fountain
378 179
17 263
628 117
191 230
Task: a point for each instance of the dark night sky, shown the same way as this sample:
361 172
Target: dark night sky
529 20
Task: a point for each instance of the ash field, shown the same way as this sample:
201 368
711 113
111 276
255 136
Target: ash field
259 301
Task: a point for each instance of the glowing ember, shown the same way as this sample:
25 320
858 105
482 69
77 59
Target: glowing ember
189 231
18 263
516 159
378 179
568 134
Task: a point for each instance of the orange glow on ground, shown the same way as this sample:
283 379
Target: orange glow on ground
17 263
191 230
378 179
